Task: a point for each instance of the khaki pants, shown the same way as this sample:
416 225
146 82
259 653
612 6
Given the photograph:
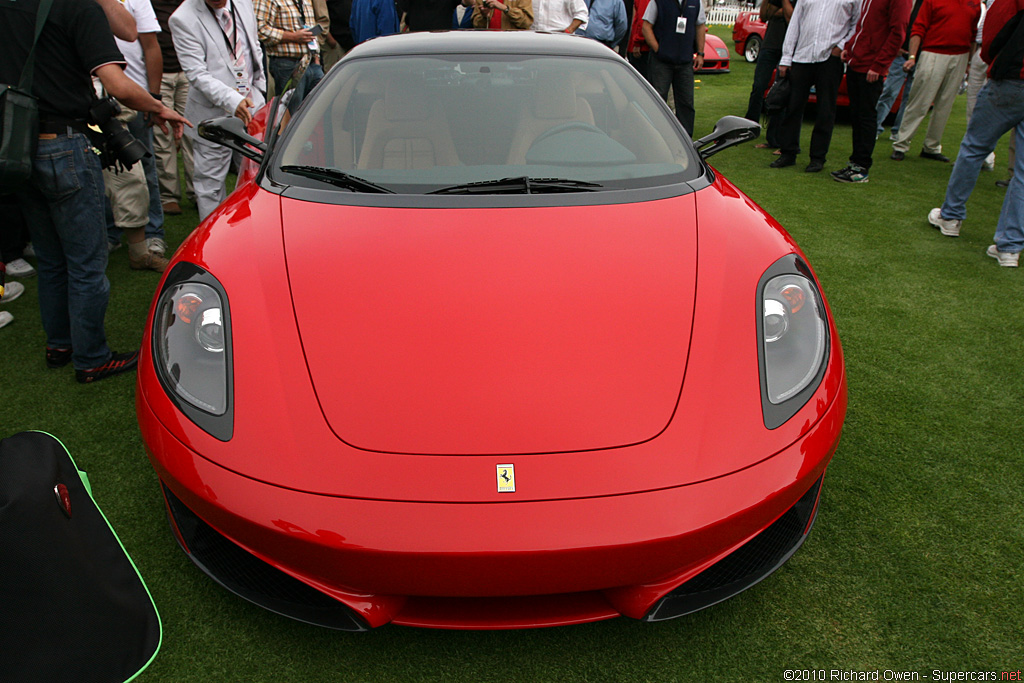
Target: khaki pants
174 92
937 80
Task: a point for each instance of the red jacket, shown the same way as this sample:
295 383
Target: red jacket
1001 44
880 31
636 36
947 26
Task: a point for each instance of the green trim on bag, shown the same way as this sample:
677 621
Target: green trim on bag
88 487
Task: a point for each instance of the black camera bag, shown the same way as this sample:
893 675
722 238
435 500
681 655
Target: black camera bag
74 608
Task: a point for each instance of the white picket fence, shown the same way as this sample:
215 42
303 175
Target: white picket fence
723 15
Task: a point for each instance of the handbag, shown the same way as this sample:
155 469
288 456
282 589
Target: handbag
777 98
19 118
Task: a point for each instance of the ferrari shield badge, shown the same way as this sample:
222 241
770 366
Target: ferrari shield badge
506 478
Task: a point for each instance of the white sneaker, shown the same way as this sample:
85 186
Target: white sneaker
948 227
29 250
19 267
5 318
990 162
155 245
12 290
1005 258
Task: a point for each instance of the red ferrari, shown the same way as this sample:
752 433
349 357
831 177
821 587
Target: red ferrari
485 343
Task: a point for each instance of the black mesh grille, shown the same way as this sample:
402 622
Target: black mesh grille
253 579
747 565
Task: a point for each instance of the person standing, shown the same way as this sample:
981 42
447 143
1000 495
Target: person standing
811 56
606 22
777 14
675 33
559 16
896 80
174 92
286 32
637 52
510 15
217 46
940 43
868 54
1000 108
372 19
63 199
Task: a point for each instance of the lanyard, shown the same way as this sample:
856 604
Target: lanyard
298 5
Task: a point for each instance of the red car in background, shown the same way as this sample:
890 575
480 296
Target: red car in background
716 56
748 34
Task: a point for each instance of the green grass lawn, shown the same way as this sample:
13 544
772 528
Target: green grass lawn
914 562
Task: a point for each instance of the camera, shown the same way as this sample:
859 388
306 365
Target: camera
118 145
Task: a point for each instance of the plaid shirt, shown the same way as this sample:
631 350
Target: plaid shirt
274 17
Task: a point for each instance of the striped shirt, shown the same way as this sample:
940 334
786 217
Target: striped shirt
274 17
816 27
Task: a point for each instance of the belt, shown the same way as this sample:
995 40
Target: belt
50 127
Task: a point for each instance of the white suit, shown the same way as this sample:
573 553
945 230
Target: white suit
203 51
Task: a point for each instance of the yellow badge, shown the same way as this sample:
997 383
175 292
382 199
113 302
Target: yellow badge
506 478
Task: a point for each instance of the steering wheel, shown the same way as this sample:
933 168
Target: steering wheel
568 126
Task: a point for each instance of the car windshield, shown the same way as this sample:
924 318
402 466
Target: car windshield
479 124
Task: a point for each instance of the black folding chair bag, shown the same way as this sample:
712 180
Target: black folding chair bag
73 606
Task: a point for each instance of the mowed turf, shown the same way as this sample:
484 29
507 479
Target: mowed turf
914 563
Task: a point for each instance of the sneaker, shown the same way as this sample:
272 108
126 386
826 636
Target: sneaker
897 155
1003 183
5 318
815 167
29 251
11 291
1005 258
783 161
19 267
57 358
149 261
947 226
156 245
851 174
118 363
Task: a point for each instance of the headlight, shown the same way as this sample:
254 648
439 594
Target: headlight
723 52
192 350
792 339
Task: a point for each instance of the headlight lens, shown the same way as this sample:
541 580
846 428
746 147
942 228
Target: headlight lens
191 347
794 339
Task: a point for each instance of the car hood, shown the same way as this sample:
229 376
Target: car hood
494 331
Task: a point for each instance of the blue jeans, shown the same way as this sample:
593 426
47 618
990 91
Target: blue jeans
281 69
63 204
1000 108
893 82
155 227
662 74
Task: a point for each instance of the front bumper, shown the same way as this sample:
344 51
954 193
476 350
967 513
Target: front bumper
647 555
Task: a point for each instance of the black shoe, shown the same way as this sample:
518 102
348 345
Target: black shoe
57 358
814 167
783 161
935 156
1003 183
897 156
118 363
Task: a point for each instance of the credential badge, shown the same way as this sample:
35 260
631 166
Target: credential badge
506 478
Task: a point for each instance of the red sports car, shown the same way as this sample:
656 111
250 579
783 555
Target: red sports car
716 56
748 34
486 343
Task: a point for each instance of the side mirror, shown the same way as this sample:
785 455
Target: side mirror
729 131
230 132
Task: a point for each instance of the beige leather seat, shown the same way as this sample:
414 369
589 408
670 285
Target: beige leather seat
407 129
554 102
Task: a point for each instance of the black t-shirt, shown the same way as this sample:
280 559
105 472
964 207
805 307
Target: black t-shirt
76 40
163 10
428 15
775 33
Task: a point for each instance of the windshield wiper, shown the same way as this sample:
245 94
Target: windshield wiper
520 185
336 177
